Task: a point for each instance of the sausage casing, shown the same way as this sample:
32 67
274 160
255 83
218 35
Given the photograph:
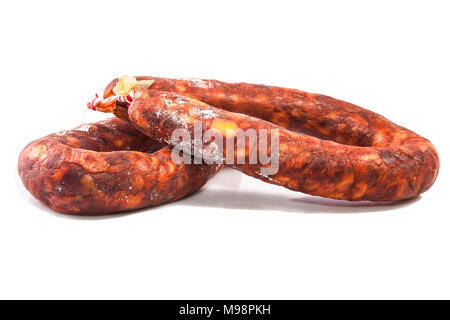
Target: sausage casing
106 167
328 147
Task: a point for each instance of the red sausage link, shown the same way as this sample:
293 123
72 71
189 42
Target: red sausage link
106 167
349 153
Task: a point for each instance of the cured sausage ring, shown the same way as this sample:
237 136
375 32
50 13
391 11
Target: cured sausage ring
106 167
327 147
324 147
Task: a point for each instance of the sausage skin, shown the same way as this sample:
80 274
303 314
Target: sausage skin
328 147
106 167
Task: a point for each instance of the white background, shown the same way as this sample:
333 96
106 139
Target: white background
239 237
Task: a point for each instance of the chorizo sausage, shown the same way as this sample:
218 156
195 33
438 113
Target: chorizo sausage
106 167
327 147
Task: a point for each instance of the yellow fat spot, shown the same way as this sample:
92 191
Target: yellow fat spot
333 115
134 201
171 167
137 182
379 140
118 143
224 126
35 152
283 147
369 157
88 181
180 87
235 98
73 141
